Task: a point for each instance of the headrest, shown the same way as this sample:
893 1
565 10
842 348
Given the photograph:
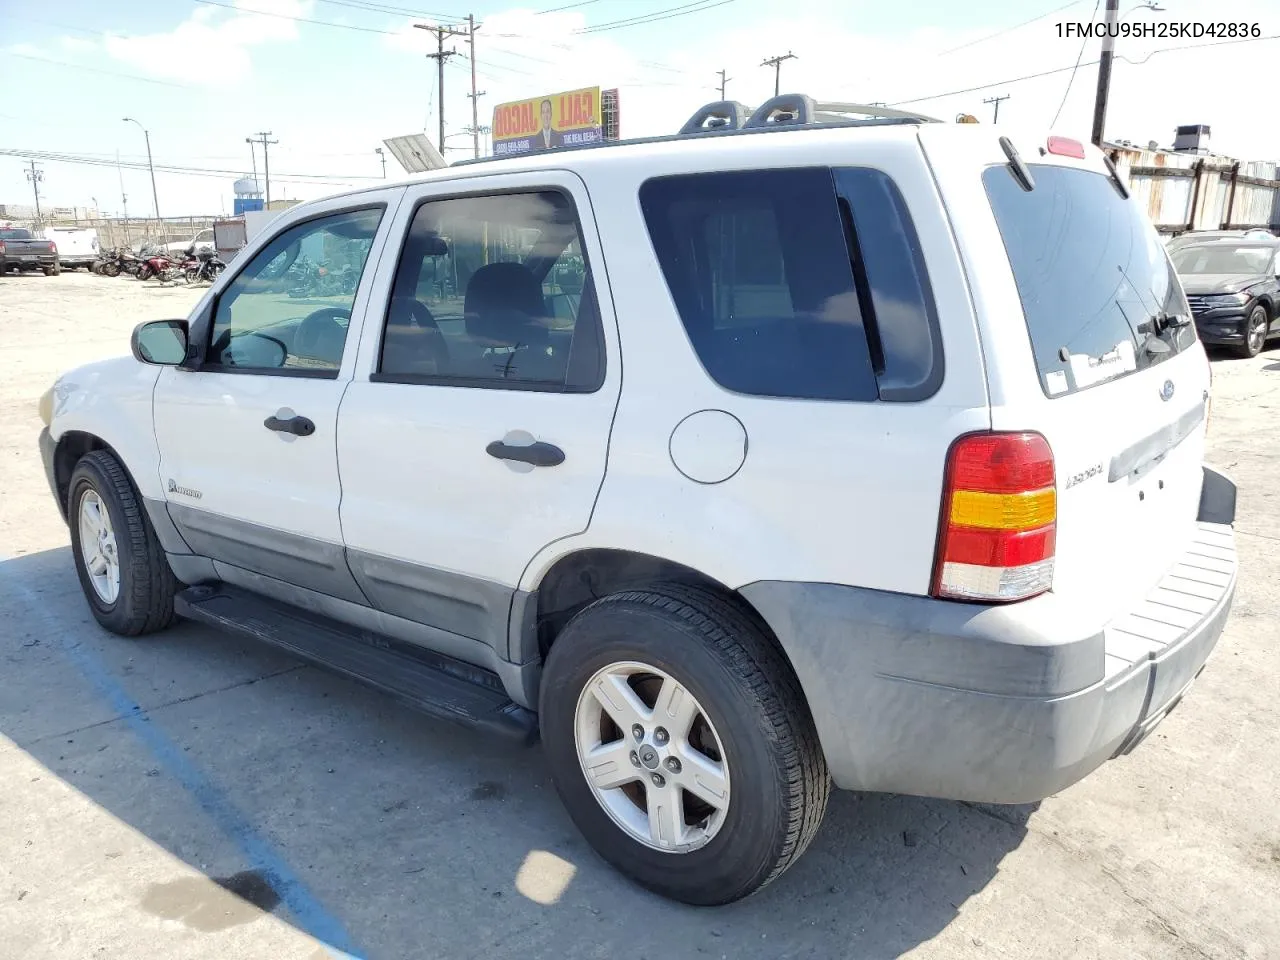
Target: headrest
503 302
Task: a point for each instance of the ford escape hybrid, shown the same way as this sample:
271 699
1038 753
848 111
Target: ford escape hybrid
791 450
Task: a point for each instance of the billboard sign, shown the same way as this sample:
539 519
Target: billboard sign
544 123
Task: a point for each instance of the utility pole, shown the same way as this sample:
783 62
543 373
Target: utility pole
475 94
154 196
261 137
383 157
776 63
35 176
995 102
440 56
253 159
723 81
124 197
1104 71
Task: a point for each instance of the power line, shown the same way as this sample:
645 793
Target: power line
109 73
670 13
567 6
95 160
1016 26
1072 78
1087 63
285 16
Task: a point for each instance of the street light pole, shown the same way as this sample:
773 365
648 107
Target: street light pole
155 198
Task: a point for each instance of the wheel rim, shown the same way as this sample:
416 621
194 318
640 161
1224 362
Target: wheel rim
98 547
1257 331
652 757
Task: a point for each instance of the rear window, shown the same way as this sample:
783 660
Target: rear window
804 283
1099 295
15 234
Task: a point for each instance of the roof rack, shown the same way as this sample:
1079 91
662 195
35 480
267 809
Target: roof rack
787 112
791 110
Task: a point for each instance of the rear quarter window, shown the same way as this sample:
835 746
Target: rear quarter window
798 282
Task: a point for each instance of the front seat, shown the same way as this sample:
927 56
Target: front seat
502 307
413 345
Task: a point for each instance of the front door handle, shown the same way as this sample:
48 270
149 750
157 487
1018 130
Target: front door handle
539 454
298 426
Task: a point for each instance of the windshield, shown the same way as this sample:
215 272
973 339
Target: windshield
15 234
1222 259
1100 298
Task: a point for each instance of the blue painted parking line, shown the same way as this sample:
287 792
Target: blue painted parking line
310 914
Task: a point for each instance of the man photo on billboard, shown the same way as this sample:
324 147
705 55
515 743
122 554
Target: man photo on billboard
546 137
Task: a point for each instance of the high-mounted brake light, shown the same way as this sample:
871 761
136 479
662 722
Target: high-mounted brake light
997 535
1065 147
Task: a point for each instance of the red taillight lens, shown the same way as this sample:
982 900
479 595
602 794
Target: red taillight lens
999 519
3 249
1065 147
53 247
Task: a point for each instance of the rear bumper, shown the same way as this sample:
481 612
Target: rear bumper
38 261
999 704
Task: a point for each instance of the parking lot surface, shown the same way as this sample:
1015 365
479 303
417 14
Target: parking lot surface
193 795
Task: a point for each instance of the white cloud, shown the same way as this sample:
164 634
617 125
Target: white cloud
210 47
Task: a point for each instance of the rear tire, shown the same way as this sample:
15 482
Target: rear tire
101 500
1255 332
738 683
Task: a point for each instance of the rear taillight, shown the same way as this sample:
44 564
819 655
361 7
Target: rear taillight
53 247
999 519
3 249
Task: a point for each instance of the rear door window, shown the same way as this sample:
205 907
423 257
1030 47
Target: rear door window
1100 297
800 282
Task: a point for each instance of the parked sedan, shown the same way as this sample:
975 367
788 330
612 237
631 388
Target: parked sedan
1233 290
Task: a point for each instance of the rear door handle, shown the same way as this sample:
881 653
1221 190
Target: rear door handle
298 426
539 454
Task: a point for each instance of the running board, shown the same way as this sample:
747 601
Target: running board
433 684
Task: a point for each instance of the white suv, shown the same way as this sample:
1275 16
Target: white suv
734 463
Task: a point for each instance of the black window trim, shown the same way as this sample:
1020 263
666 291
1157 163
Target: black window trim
496 383
201 330
932 383
929 387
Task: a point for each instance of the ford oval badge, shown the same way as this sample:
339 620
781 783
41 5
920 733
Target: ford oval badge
1166 392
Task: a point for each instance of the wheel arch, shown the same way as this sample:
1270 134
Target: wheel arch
70 447
580 577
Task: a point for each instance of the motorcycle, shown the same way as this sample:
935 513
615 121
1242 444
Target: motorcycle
118 262
159 266
202 266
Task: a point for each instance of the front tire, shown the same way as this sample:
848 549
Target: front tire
680 743
1255 332
123 571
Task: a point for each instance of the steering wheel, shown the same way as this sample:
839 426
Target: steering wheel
309 339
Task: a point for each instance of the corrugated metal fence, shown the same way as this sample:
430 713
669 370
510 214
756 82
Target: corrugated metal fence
1189 192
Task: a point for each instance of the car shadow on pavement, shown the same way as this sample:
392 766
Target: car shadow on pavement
387 834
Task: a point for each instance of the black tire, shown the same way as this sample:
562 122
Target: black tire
748 690
111 269
1254 340
144 603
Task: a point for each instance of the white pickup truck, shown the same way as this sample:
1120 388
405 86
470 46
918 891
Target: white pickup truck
202 241
77 246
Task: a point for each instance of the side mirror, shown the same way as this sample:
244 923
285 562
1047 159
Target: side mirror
162 342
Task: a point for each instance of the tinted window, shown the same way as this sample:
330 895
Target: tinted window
290 307
759 269
494 291
1100 297
905 340
798 283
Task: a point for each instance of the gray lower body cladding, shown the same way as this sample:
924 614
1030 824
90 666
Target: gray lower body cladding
997 704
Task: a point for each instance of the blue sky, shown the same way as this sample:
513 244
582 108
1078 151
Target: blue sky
202 76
